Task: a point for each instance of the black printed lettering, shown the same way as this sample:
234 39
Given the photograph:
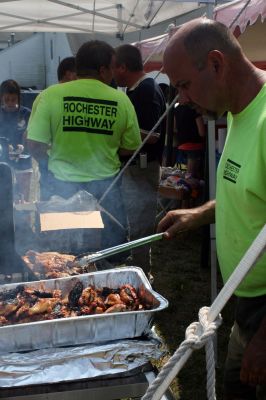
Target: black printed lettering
89 115
231 171
95 122
79 121
111 123
86 121
114 111
107 111
67 120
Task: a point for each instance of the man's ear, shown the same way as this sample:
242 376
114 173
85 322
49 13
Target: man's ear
102 72
122 67
216 61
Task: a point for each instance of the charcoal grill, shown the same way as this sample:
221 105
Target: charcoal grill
132 384
123 385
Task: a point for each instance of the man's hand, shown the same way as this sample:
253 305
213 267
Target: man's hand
178 221
253 371
153 138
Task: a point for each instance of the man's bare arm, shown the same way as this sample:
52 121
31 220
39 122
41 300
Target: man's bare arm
125 152
37 149
153 138
180 220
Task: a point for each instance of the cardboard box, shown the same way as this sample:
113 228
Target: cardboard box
69 232
71 220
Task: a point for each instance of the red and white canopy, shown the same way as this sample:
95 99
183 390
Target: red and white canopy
240 13
244 17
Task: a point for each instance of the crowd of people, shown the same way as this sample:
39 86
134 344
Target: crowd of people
82 131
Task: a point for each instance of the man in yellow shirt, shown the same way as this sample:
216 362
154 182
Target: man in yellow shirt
86 124
208 67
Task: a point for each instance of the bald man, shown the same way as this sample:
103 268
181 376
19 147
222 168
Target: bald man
208 67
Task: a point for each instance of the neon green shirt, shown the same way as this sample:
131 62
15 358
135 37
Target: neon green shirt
241 194
86 122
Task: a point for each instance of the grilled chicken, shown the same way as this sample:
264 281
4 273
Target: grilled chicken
28 304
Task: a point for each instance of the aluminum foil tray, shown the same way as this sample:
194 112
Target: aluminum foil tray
85 329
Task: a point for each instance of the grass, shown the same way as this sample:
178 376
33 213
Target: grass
179 277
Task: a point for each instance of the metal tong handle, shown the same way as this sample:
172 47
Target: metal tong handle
120 248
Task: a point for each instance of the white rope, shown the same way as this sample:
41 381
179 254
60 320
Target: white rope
200 333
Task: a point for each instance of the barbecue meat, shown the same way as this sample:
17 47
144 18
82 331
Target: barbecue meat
128 295
51 265
112 299
116 308
88 295
26 304
43 306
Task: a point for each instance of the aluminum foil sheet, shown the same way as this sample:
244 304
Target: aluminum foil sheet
90 328
80 362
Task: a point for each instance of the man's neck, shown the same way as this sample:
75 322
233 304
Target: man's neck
248 85
134 78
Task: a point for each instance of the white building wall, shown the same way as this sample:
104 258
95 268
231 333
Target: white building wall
56 47
34 61
24 62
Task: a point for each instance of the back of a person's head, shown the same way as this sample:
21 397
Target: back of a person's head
10 87
93 55
130 56
67 64
210 35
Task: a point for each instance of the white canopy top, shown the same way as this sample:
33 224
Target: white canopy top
87 16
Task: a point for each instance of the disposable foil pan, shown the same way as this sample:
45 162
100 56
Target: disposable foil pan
90 328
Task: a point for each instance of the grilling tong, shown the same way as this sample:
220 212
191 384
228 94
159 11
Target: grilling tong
99 255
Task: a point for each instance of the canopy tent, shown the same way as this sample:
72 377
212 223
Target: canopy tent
102 16
152 51
253 43
244 17
239 14
110 20
131 21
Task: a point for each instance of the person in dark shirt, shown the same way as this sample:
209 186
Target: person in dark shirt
13 116
141 179
13 124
